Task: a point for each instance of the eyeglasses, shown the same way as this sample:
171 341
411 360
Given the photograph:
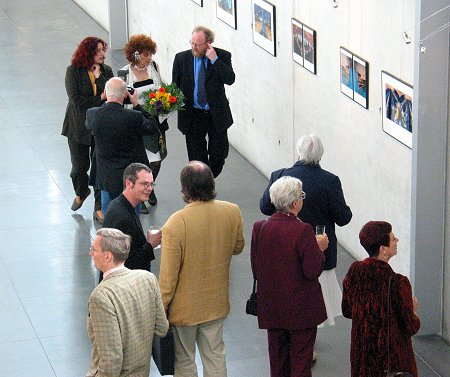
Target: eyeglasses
92 250
303 195
195 45
147 184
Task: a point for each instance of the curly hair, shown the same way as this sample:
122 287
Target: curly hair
140 43
87 49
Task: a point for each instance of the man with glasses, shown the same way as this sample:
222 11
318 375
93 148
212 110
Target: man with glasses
121 214
201 73
125 310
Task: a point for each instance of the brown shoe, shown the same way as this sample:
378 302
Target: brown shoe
98 215
78 201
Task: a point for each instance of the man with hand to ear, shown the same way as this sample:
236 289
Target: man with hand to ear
202 73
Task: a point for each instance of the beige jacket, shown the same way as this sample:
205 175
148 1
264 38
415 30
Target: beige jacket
125 311
197 245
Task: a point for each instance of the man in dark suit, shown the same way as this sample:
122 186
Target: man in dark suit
118 137
201 74
121 214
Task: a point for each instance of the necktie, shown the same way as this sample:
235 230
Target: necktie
201 91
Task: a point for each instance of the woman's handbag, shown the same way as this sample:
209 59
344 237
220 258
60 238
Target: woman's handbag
252 303
390 373
163 353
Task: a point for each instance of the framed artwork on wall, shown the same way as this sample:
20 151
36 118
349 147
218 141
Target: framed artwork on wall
304 45
397 113
354 72
264 27
226 11
199 2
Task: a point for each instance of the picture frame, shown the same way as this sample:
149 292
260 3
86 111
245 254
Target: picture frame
304 45
226 12
397 113
264 25
198 2
354 77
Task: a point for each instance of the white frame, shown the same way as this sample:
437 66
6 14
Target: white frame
268 44
228 18
391 127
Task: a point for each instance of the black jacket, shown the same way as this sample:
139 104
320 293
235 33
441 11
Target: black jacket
324 203
217 75
121 215
118 141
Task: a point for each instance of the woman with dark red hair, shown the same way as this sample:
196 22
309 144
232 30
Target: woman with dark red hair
381 333
85 83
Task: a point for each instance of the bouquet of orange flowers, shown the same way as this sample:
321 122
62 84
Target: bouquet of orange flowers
164 100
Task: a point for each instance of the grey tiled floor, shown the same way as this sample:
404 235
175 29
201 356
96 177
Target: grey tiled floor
46 274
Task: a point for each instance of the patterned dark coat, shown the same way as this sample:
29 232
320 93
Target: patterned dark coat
364 301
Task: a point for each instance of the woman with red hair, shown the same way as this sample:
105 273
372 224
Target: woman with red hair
85 83
381 306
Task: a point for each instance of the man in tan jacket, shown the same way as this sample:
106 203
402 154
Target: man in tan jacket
197 245
125 311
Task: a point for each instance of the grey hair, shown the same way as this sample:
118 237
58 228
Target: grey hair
116 88
284 191
115 241
209 34
309 149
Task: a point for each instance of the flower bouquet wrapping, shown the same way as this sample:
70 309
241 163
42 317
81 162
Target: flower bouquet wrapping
164 100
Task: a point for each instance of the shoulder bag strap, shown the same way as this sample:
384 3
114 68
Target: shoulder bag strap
389 322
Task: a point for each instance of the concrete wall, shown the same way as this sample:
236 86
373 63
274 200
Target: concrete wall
97 9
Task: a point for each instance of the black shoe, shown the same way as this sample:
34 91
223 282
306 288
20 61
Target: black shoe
152 200
144 209
78 201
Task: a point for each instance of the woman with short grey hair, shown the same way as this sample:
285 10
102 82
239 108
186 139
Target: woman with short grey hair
287 260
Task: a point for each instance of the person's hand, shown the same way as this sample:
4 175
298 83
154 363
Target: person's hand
96 70
415 303
134 99
322 241
211 54
103 95
154 239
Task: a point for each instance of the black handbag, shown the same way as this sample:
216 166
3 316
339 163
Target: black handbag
163 353
390 373
252 304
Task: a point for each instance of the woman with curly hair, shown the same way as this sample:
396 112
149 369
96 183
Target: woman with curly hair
85 81
142 73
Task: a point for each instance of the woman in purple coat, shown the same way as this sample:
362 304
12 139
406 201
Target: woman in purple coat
287 261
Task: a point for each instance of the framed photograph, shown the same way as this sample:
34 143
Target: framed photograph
354 72
297 41
226 11
199 2
397 113
304 45
263 14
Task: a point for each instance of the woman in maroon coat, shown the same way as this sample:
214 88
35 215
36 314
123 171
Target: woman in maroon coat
286 261
364 300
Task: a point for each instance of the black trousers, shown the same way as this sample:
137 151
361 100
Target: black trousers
212 152
81 156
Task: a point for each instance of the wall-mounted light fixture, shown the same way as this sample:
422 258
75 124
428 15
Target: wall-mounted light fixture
406 38
334 3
